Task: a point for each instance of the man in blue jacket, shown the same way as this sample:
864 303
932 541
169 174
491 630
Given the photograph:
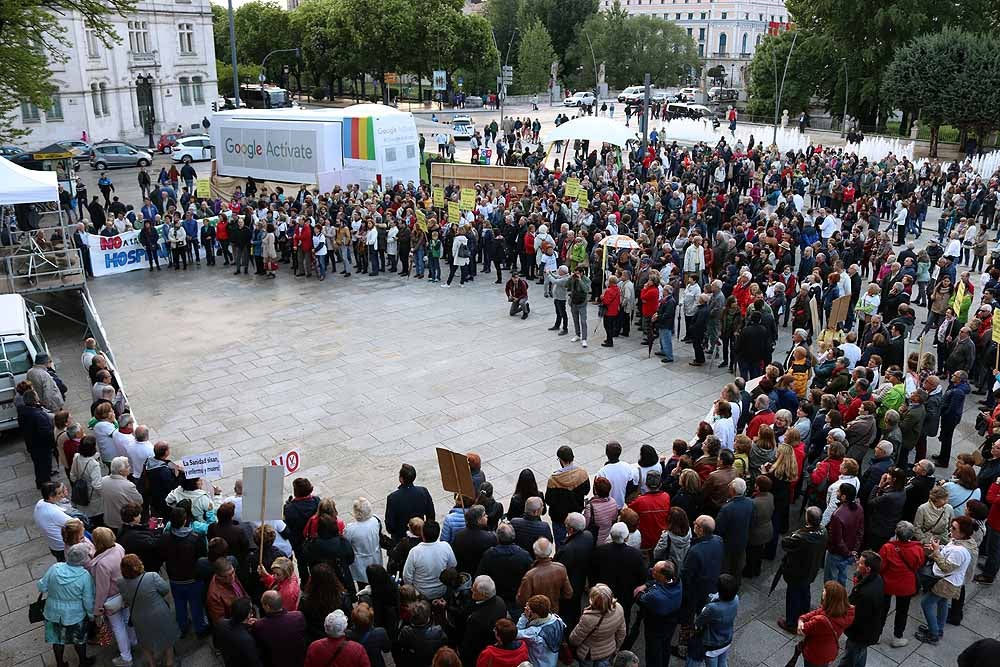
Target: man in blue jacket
702 566
733 526
660 600
952 405
407 502
191 229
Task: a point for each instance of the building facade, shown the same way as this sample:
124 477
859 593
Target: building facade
727 32
159 75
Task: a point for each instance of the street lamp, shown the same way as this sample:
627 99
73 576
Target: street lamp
232 54
843 121
777 100
597 81
501 86
144 100
263 76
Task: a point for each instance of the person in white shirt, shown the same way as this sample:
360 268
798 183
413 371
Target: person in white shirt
139 450
722 424
954 248
426 561
123 438
89 352
848 475
850 350
619 473
50 519
950 563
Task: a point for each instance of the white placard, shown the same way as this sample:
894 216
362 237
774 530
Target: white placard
207 465
262 491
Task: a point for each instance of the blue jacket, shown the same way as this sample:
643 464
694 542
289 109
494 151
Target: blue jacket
733 523
700 572
150 212
718 618
661 602
453 522
190 226
543 637
954 401
69 593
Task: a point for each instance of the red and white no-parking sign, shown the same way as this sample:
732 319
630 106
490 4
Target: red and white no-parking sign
289 461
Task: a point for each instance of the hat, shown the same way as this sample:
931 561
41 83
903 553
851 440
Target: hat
785 245
838 434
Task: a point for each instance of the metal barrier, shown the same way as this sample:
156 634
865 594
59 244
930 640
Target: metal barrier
97 330
42 271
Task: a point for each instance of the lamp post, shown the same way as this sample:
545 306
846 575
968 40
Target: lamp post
777 100
501 84
597 81
843 121
144 98
232 54
263 76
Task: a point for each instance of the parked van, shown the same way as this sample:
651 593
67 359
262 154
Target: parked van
21 341
632 95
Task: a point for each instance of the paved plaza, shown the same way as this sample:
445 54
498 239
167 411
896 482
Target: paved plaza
361 374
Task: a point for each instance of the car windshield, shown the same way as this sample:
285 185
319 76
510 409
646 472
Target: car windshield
277 97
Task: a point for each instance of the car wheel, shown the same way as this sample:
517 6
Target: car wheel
100 166
186 159
143 162
167 150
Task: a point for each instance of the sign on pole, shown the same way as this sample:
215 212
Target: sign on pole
468 198
573 187
996 327
207 465
438 196
262 491
290 461
440 79
203 188
838 312
456 476
454 212
814 314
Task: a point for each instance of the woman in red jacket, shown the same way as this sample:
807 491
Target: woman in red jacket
611 300
509 651
823 626
902 557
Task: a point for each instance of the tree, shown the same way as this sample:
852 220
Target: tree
262 27
563 20
505 18
717 74
31 38
247 74
324 53
809 71
476 55
374 32
534 58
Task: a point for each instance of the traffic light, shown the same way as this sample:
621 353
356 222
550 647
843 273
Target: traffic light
215 106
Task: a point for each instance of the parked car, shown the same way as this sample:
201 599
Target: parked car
632 95
166 142
719 94
463 127
10 151
111 154
194 148
580 99
82 147
473 102
689 94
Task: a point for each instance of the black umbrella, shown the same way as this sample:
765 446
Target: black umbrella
775 580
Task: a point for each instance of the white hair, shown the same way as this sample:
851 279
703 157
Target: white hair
543 548
119 465
362 509
575 521
335 624
739 485
619 532
484 584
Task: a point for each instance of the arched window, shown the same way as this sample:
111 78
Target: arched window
105 109
95 97
746 38
722 43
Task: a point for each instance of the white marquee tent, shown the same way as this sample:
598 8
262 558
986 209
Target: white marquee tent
23 186
594 129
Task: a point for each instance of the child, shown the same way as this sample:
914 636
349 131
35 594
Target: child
800 371
548 264
741 462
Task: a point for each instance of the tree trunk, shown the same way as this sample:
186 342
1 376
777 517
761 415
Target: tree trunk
934 139
904 123
420 87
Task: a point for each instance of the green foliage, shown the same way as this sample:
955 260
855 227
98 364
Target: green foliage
809 71
505 17
534 59
318 93
248 74
717 73
31 37
630 46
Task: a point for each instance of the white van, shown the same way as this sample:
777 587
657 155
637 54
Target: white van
21 341
632 95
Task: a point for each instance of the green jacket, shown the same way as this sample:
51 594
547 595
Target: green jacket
892 400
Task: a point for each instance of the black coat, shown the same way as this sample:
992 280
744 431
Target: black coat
236 645
479 628
804 553
405 503
868 601
506 564
417 645
36 428
337 552
469 545
619 566
142 542
297 512
700 571
575 555
918 489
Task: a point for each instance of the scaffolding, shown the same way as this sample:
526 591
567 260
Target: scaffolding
38 253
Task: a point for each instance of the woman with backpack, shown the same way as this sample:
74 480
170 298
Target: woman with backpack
86 476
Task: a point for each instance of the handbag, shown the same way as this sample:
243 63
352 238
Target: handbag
795 656
926 579
384 541
36 610
584 641
131 605
113 604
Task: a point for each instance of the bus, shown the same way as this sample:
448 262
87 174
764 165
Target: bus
264 97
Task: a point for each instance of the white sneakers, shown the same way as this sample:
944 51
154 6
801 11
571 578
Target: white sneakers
575 338
898 642
584 343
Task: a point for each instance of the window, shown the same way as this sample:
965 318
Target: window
104 100
93 44
746 16
55 112
760 17
29 112
16 357
725 15
746 38
690 30
138 36
95 97
701 34
185 32
704 15
690 16
185 86
197 92
390 154
722 43
758 39
701 50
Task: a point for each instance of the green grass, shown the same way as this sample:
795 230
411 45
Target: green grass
946 134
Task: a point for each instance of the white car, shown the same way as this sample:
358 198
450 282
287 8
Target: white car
632 95
463 127
195 148
689 94
580 99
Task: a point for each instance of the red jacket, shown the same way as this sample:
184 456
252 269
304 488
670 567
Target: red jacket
495 656
221 231
762 417
321 652
821 635
800 458
612 300
743 296
653 510
303 239
828 469
900 562
993 498
650 297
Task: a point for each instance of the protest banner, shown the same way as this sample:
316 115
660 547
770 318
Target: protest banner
438 196
262 490
207 465
421 221
203 188
468 199
117 254
290 461
572 187
456 476
454 212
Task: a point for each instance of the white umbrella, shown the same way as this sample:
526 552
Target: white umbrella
618 241
595 129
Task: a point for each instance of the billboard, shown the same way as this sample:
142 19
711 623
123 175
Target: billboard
277 151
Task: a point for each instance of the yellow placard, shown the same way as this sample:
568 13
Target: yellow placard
52 156
581 197
468 199
421 221
572 187
454 212
438 196
959 296
996 327
203 187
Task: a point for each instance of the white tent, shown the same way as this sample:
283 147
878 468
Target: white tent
23 186
594 129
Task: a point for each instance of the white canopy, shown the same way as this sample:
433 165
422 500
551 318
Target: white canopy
594 129
24 186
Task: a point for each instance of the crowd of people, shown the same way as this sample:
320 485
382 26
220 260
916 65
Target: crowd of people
821 449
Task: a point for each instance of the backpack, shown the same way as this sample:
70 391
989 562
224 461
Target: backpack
578 293
82 490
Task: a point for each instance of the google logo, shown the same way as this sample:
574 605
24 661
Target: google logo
251 150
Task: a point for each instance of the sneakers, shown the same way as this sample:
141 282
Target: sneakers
583 343
574 339
121 662
926 638
898 642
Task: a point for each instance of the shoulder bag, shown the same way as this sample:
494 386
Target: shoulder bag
131 605
568 650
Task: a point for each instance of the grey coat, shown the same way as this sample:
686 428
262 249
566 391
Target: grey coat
154 623
932 414
559 286
761 529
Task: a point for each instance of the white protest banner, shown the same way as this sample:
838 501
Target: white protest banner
290 461
116 254
207 465
262 491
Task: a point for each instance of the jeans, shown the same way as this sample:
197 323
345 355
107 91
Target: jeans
516 306
945 437
796 603
418 258
935 613
855 655
579 313
559 533
721 660
991 545
345 257
242 257
189 596
667 343
835 567
561 320
321 266
596 663
435 268
373 261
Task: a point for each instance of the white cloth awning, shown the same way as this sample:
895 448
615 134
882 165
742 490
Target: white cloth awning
24 186
594 129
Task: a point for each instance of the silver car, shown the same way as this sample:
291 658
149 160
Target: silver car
111 154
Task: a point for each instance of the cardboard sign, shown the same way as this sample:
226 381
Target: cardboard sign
959 296
290 461
582 198
203 188
814 314
207 465
456 476
421 221
838 312
468 199
454 212
262 491
573 187
438 196
996 327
